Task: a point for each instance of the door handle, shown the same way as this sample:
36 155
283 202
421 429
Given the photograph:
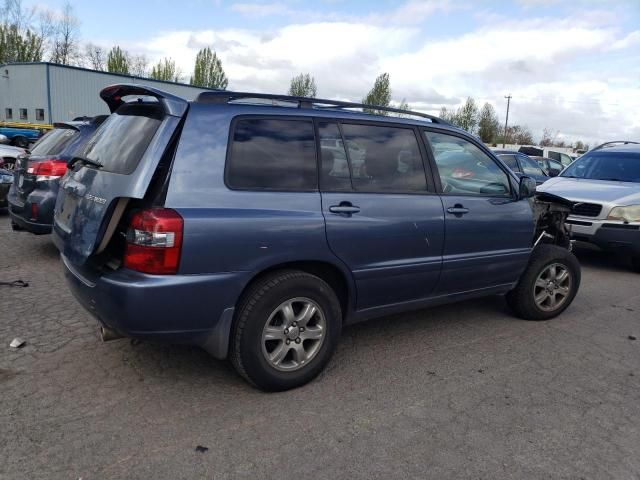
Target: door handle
457 210
344 208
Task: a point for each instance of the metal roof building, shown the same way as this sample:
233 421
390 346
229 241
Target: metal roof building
47 92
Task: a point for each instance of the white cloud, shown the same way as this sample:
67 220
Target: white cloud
560 71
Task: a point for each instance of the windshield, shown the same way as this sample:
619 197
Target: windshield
602 165
54 142
120 142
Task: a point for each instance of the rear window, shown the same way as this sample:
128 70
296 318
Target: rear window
54 142
268 154
123 138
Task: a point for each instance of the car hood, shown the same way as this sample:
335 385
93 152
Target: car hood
580 189
12 151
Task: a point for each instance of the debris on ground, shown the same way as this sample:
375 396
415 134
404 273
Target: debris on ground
201 449
17 343
631 337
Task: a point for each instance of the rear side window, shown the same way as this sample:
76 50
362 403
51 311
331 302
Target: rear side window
384 159
334 171
270 154
54 142
122 139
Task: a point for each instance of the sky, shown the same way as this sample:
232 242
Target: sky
572 67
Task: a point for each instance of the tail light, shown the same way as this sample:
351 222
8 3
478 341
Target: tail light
34 211
47 169
154 240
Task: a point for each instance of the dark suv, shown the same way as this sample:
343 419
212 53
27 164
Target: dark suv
37 175
258 225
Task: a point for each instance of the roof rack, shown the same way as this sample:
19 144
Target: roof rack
614 143
222 96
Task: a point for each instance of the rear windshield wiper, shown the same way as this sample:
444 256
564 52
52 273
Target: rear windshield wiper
86 161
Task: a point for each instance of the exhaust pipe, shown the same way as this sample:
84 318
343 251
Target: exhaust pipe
107 334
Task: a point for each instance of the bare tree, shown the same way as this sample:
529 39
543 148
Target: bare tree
95 57
138 65
65 49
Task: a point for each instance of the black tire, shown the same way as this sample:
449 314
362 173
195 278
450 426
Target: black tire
22 142
254 309
522 298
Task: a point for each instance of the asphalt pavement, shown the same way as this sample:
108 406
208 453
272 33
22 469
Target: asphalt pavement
461 391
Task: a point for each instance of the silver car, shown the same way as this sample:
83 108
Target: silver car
604 185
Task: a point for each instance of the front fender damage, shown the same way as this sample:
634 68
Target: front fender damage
550 213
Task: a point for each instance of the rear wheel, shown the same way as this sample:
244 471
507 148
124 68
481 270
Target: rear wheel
548 285
8 163
286 328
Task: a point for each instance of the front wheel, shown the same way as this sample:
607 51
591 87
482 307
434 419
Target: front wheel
286 328
548 285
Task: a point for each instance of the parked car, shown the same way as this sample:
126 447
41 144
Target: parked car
6 179
37 175
551 167
20 137
604 185
548 152
521 164
9 155
223 223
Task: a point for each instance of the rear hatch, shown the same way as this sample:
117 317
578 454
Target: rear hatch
47 149
115 166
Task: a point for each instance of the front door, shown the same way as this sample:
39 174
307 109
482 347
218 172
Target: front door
381 220
489 232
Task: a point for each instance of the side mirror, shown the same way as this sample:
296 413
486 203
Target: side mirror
527 187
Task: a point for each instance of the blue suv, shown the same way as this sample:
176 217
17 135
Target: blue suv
256 225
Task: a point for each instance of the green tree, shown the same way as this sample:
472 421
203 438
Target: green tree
579 145
379 95
17 46
488 124
208 71
467 116
165 70
303 85
118 61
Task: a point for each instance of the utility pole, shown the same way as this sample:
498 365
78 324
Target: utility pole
506 122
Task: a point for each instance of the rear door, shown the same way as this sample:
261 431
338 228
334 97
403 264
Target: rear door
489 232
380 217
128 147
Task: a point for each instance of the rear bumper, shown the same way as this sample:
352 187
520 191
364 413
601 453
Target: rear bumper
189 309
21 210
607 235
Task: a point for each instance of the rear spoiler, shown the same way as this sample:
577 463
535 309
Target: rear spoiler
113 95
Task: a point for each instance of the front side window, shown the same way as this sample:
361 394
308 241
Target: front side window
464 169
23 114
384 159
8 113
270 154
510 161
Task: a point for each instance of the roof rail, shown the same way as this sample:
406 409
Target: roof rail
614 143
221 97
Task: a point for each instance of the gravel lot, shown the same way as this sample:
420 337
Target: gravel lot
463 391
